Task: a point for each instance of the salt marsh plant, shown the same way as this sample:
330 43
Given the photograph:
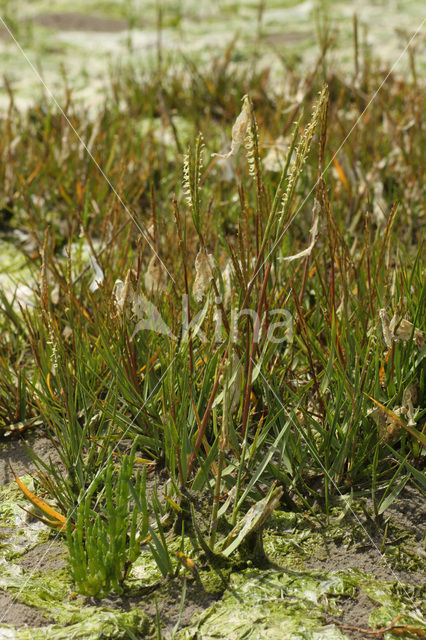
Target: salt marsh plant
104 533
253 348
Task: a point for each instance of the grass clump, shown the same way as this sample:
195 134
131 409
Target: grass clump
256 321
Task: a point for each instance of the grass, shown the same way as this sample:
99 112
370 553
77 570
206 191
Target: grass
314 391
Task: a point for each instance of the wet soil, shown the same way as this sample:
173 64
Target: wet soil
71 21
20 615
406 517
47 556
14 449
404 521
169 601
369 560
356 612
409 511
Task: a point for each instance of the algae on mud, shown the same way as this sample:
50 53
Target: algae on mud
197 29
50 591
18 532
274 605
15 275
101 624
268 603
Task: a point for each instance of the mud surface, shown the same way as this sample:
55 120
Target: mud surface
20 615
168 601
108 32
80 22
406 516
356 612
366 551
369 559
47 556
405 520
15 450
409 511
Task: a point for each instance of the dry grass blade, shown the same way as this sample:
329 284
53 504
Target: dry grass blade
395 418
58 520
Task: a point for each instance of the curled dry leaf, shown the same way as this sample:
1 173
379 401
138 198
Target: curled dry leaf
254 520
239 130
149 318
390 422
404 331
155 276
98 274
396 330
314 233
124 292
387 336
204 265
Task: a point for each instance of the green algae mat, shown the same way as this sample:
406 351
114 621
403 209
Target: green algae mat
283 599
